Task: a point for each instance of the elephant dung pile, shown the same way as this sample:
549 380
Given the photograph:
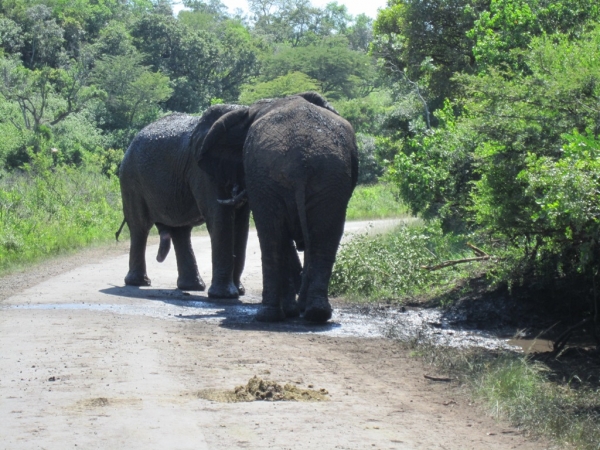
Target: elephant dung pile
259 389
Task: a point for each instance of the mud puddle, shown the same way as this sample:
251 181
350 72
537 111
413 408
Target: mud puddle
420 325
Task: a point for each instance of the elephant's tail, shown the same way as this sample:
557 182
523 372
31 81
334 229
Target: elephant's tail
301 204
118 233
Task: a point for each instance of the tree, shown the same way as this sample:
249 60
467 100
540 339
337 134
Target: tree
11 35
284 21
511 24
45 96
426 42
44 37
133 92
201 64
292 83
340 71
360 33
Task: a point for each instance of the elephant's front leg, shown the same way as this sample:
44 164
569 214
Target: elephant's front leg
137 256
189 278
241 225
220 224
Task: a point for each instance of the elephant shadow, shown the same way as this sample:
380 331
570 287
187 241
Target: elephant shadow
232 314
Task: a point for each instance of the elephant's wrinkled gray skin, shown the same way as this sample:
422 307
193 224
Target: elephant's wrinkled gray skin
300 167
162 184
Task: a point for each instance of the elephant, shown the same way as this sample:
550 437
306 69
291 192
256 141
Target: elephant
162 185
300 167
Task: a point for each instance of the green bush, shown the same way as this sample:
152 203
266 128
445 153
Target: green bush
390 266
47 209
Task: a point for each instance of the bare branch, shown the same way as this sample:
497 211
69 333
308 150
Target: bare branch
454 262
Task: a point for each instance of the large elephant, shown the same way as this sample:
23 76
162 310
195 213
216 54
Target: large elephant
300 168
162 185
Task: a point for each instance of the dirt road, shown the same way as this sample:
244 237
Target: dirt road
88 364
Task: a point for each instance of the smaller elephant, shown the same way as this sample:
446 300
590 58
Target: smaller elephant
162 185
300 169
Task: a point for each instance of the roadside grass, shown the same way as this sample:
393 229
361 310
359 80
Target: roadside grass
519 389
389 266
47 210
376 201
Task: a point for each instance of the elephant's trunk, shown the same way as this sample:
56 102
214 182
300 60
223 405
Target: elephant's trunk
164 246
236 201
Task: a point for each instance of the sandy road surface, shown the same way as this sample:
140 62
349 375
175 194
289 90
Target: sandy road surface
127 364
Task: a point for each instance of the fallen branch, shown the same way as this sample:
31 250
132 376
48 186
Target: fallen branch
561 341
454 262
443 379
477 251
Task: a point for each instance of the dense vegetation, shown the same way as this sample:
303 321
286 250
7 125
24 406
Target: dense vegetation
493 131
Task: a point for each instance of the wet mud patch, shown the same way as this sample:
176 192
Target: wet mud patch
258 389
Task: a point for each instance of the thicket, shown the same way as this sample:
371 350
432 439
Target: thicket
47 209
493 131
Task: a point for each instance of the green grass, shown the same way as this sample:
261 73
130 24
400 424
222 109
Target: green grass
377 201
516 388
47 210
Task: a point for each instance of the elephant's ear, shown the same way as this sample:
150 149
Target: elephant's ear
317 99
221 152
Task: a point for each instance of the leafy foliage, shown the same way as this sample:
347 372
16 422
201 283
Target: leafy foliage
292 83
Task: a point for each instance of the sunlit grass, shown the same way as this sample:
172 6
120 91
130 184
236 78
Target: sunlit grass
377 201
46 211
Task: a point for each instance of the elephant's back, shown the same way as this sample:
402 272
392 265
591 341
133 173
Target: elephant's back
301 141
165 138
154 169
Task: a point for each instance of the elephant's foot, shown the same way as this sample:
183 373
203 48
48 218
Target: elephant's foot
228 290
270 314
301 304
291 308
191 284
318 311
241 289
137 279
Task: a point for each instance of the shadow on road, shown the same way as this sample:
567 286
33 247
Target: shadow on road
232 314
173 296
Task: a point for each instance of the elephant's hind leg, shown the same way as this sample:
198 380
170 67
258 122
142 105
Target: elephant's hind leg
291 283
189 278
274 247
326 226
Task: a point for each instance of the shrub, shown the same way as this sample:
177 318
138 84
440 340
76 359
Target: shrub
389 266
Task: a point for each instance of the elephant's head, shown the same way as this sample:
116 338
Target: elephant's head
221 151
